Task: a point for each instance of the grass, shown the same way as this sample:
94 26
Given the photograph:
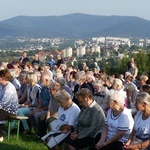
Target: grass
25 142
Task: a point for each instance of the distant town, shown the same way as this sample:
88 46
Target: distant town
106 51
66 46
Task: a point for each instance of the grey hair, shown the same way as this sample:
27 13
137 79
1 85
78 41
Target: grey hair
61 81
130 87
98 83
81 75
117 96
62 95
143 97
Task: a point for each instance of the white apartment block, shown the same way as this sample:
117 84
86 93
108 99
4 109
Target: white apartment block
112 40
99 39
80 51
68 52
95 48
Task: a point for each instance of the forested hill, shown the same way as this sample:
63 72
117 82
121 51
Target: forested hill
75 26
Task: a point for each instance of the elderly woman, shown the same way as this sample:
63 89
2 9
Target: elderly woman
81 79
14 80
118 124
63 85
66 121
100 94
33 95
118 86
8 96
89 122
132 93
142 123
22 94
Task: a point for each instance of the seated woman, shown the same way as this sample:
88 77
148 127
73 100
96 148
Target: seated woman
22 94
100 95
72 81
81 79
14 80
132 93
67 119
141 128
8 96
118 87
118 124
33 95
90 121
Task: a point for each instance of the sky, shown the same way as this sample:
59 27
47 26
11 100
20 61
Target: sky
13 8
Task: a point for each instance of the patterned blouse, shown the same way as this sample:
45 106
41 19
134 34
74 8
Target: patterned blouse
9 98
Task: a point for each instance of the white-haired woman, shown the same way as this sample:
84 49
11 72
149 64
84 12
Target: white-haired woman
132 93
118 124
141 128
66 121
118 86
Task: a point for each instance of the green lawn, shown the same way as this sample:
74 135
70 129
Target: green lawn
25 142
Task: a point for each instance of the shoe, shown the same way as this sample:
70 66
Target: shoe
26 131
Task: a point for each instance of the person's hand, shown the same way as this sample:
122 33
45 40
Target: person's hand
129 147
74 135
127 143
64 131
35 111
99 145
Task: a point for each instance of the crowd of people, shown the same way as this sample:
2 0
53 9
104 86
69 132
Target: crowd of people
77 108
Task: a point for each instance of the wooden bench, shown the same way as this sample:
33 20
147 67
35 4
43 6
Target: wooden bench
17 123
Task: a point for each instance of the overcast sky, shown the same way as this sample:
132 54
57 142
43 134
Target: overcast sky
13 8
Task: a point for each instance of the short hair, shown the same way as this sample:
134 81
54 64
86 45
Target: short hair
98 83
81 75
62 95
118 97
32 77
118 82
61 81
143 97
5 74
129 77
84 92
110 79
58 70
130 87
38 73
55 86
144 77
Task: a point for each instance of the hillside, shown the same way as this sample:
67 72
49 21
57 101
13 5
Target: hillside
75 26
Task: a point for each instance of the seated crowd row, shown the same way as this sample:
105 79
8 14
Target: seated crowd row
78 109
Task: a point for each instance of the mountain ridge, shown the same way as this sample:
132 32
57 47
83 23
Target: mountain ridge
75 25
